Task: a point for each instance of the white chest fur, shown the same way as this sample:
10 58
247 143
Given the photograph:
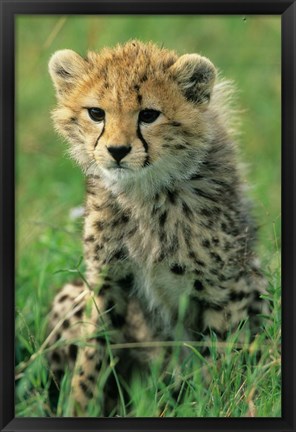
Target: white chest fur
162 290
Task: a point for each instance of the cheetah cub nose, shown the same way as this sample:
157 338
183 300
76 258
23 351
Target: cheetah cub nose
119 152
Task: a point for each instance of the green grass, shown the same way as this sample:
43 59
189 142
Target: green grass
49 186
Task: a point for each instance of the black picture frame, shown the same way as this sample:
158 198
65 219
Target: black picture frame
9 10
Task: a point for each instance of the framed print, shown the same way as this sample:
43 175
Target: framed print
147 215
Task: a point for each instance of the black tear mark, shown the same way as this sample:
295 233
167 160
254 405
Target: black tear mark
101 134
147 161
141 138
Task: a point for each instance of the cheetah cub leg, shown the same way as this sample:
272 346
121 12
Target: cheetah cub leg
238 322
64 331
75 322
103 324
91 355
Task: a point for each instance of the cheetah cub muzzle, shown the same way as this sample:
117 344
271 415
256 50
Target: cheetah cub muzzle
166 217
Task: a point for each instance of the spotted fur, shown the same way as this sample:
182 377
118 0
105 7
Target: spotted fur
166 213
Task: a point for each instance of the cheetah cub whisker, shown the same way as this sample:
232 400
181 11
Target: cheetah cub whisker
166 216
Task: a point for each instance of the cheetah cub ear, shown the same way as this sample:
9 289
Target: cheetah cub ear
65 67
196 76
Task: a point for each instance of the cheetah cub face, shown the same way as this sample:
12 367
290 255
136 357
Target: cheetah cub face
134 111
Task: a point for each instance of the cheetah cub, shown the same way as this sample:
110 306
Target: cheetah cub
166 216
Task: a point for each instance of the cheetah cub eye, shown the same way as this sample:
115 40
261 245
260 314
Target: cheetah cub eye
148 115
96 114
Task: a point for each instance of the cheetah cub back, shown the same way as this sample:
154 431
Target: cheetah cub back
166 216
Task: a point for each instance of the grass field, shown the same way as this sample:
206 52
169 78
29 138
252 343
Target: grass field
49 186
